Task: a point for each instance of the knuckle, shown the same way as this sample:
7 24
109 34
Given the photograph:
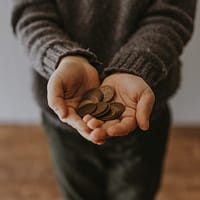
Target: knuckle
150 94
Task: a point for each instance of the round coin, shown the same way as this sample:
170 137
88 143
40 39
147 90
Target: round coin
108 116
101 108
118 107
104 113
108 93
85 102
93 99
87 109
116 111
94 93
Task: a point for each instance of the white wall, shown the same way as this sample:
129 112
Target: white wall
186 103
16 100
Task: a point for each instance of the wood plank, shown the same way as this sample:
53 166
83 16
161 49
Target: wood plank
25 167
26 171
181 180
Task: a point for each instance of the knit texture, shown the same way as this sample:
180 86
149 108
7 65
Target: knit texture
142 37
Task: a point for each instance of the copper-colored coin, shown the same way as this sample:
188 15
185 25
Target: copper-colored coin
118 107
108 93
87 109
93 99
104 113
101 108
116 110
94 94
108 116
85 102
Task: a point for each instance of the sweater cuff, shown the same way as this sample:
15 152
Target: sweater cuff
53 55
144 64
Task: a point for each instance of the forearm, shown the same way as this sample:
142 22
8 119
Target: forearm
38 27
158 42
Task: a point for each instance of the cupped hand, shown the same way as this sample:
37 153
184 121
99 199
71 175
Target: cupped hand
138 99
72 78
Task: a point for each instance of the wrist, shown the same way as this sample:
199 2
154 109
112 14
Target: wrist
81 62
70 59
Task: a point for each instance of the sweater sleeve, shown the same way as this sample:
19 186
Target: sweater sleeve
37 25
162 32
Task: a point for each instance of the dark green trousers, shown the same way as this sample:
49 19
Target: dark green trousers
124 168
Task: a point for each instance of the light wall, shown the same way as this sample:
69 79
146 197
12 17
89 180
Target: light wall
16 100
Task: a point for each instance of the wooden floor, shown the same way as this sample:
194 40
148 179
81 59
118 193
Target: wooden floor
26 172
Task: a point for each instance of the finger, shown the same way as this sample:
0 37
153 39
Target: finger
124 127
55 97
100 143
94 123
77 123
144 108
98 136
87 117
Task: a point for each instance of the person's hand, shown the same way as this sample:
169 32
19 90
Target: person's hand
72 78
138 98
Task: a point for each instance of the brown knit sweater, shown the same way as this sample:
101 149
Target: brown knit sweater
142 37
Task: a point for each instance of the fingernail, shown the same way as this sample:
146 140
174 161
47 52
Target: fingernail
100 143
146 127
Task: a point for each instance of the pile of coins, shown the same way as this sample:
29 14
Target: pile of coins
99 103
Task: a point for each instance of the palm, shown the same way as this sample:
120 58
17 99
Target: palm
75 83
128 89
65 89
128 116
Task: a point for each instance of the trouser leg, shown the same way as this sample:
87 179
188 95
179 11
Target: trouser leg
80 171
126 167
136 162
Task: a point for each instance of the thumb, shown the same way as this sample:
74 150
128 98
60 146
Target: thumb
55 97
144 108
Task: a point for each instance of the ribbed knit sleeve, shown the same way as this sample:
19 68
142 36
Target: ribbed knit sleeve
37 25
162 33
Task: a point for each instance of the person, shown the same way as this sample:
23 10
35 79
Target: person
133 46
